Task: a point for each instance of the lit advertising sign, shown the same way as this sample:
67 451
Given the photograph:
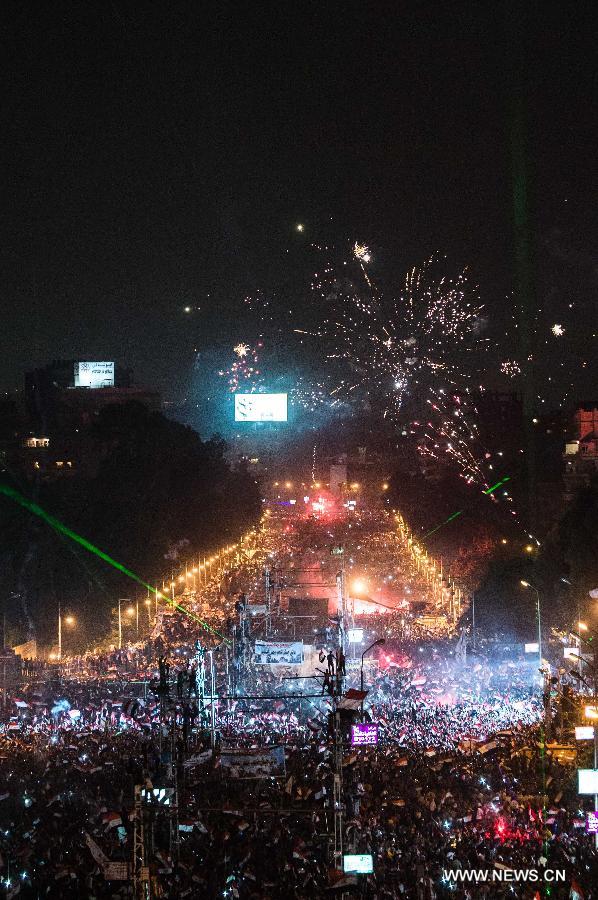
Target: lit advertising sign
257 609
571 653
588 781
532 648
364 734
358 864
94 374
260 407
592 823
584 733
355 635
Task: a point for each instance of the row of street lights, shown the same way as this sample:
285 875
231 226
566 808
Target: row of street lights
221 558
443 589
131 612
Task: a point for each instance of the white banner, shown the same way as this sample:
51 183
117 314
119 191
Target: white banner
278 653
112 871
266 763
198 759
117 871
96 851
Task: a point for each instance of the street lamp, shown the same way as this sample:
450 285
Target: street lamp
526 584
68 620
359 586
377 643
134 611
120 622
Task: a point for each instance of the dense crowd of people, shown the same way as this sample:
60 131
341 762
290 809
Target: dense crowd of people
237 799
456 781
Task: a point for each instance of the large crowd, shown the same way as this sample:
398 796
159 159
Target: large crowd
240 804
457 781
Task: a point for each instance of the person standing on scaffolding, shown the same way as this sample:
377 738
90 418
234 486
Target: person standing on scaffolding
330 660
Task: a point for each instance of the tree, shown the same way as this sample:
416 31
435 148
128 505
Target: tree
156 485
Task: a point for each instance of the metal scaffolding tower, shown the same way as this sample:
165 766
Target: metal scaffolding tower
337 792
268 586
141 882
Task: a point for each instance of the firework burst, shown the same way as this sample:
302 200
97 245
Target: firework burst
244 373
361 252
510 368
420 339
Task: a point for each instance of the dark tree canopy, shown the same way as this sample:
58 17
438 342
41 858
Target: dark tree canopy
157 486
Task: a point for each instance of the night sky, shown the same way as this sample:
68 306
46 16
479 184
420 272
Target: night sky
160 157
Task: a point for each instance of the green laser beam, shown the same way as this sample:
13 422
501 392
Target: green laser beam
460 512
497 485
58 526
446 521
74 550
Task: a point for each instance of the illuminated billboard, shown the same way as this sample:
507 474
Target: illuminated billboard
591 823
358 863
584 733
588 781
364 734
94 374
260 407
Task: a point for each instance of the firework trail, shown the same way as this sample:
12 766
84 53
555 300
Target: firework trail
452 431
315 397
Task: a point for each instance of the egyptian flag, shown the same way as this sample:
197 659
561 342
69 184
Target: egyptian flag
111 819
338 880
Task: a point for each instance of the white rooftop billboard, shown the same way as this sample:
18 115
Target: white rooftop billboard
260 407
94 374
